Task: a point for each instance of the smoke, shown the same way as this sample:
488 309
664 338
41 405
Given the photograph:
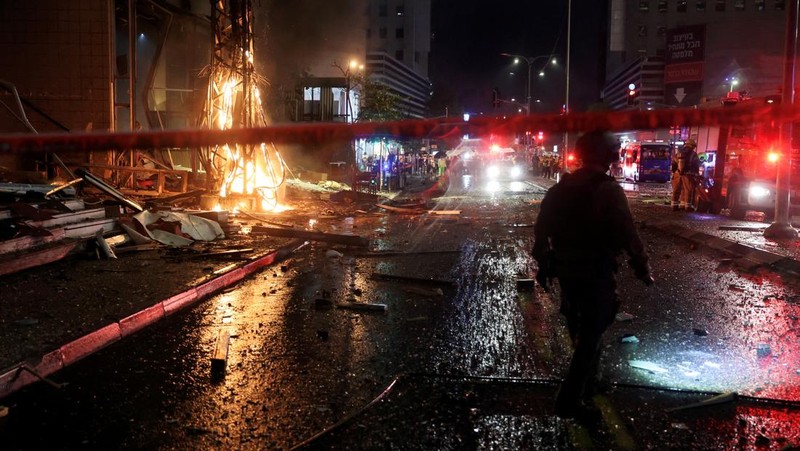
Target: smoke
307 36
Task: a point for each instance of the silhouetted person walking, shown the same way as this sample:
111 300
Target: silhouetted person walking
583 226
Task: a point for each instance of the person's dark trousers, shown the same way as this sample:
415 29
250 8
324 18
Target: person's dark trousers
589 305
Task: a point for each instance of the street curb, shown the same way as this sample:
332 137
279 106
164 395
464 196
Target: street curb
23 374
745 256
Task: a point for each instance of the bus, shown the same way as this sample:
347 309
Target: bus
646 162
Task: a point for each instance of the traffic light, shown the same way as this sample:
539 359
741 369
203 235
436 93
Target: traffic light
631 94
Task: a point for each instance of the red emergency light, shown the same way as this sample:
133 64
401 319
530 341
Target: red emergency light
773 157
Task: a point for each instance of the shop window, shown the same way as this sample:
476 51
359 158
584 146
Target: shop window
399 33
382 32
644 5
780 5
761 5
662 6
400 10
682 6
719 5
738 5
701 5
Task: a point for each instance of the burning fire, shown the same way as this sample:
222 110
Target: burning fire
254 171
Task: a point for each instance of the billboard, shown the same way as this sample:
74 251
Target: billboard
683 65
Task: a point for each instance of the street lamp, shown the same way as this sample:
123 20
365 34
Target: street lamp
530 60
347 72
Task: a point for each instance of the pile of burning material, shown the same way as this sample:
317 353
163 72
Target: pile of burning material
247 177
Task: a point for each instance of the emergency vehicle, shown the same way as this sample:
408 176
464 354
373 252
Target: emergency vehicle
752 156
646 161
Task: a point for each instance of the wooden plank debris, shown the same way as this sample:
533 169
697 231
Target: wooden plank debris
63 187
70 218
110 190
423 291
153 245
36 258
167 200
63 166
22 189
402 254
407 211
219 361
348 240
225 253
24 210
361 306
90 228
526 283
420 280
71 204
27 242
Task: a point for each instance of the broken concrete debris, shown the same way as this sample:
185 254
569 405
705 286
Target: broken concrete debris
647 366
628 338
330 253
623 316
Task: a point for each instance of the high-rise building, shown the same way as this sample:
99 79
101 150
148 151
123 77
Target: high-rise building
689 52
398 46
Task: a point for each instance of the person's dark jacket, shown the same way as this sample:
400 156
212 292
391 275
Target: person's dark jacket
584 224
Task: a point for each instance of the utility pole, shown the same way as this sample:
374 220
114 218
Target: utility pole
781 227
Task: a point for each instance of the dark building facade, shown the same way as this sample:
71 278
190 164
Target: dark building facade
707 48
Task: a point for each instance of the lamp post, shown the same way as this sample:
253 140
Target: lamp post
782 226
529 60
347 72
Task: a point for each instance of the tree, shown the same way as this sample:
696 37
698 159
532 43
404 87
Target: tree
378 101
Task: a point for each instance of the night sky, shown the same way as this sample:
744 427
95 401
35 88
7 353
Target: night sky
469 35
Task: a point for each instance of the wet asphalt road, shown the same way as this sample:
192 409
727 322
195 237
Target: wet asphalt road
297 365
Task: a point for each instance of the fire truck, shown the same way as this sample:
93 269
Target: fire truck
748 180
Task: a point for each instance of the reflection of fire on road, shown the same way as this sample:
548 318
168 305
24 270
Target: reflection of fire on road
243 174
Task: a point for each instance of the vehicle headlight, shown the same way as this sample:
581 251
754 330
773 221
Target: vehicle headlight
493 171
758 191
516 171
